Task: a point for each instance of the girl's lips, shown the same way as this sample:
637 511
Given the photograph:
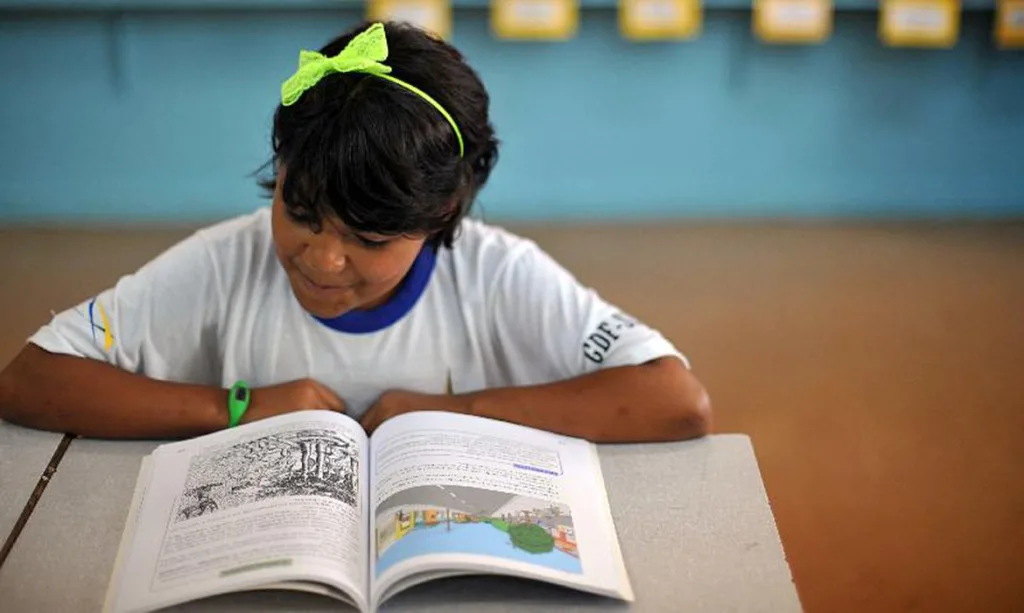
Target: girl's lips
319 288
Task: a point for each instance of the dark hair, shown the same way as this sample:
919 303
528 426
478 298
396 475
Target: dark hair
380 157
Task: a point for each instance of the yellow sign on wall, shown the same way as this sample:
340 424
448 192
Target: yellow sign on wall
919 23
534 19
434 16
793 21
660 19
1010 24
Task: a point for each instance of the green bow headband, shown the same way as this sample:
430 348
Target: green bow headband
364 53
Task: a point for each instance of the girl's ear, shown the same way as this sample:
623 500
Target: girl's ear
454 206
464 194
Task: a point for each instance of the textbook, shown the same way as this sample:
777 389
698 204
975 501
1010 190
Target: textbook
307 501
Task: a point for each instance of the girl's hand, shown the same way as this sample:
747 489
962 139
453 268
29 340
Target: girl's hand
301 395
396 402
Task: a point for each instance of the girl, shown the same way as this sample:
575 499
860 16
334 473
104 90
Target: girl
363 288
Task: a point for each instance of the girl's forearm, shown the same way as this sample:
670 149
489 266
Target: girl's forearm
80 396
658 401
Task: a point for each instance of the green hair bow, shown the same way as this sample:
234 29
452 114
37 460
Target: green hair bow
365 53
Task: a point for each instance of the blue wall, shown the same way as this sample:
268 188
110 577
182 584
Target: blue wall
162 115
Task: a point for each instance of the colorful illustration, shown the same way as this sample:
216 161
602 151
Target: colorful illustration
469 520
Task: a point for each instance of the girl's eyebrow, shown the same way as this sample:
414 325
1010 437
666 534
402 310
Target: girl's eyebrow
336 225
340 228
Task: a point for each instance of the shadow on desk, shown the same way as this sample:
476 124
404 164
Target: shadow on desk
454 595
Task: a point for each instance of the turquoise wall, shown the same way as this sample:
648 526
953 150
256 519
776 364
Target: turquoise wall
162 114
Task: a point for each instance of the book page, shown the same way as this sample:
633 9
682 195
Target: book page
458 494
131 523
277 501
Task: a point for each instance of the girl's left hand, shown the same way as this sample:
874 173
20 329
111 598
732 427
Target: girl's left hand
395 402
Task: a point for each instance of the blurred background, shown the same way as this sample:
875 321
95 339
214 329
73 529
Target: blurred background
822 205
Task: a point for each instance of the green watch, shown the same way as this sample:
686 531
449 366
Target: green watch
238 401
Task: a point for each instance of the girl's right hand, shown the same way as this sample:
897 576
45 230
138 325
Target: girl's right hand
300 395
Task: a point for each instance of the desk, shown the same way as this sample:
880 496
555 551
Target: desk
24 455
696 529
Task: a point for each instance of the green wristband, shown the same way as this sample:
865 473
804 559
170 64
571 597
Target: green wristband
238 401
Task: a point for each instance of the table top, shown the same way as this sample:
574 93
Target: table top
24 455
694 522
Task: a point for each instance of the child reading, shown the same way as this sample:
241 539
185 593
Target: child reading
363 288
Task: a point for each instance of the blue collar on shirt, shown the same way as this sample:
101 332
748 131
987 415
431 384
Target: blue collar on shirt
361 321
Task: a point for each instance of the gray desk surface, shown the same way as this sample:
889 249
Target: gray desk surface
693 518
24 455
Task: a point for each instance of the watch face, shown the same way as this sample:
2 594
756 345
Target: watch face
241 393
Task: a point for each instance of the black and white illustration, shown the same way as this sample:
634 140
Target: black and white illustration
305 462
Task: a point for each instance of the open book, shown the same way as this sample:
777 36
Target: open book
307 501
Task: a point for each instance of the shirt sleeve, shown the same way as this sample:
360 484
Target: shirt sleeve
161 321
548 326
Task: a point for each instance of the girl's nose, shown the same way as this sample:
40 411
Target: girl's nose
325 254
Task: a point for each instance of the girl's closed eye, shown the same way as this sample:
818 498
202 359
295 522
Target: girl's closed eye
303 216
372 243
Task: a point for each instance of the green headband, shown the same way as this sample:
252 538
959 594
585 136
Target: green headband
364 53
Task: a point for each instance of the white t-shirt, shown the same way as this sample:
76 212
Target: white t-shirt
218 307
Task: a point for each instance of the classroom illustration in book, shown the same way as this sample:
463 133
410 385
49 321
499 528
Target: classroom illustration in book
472 520
305 462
